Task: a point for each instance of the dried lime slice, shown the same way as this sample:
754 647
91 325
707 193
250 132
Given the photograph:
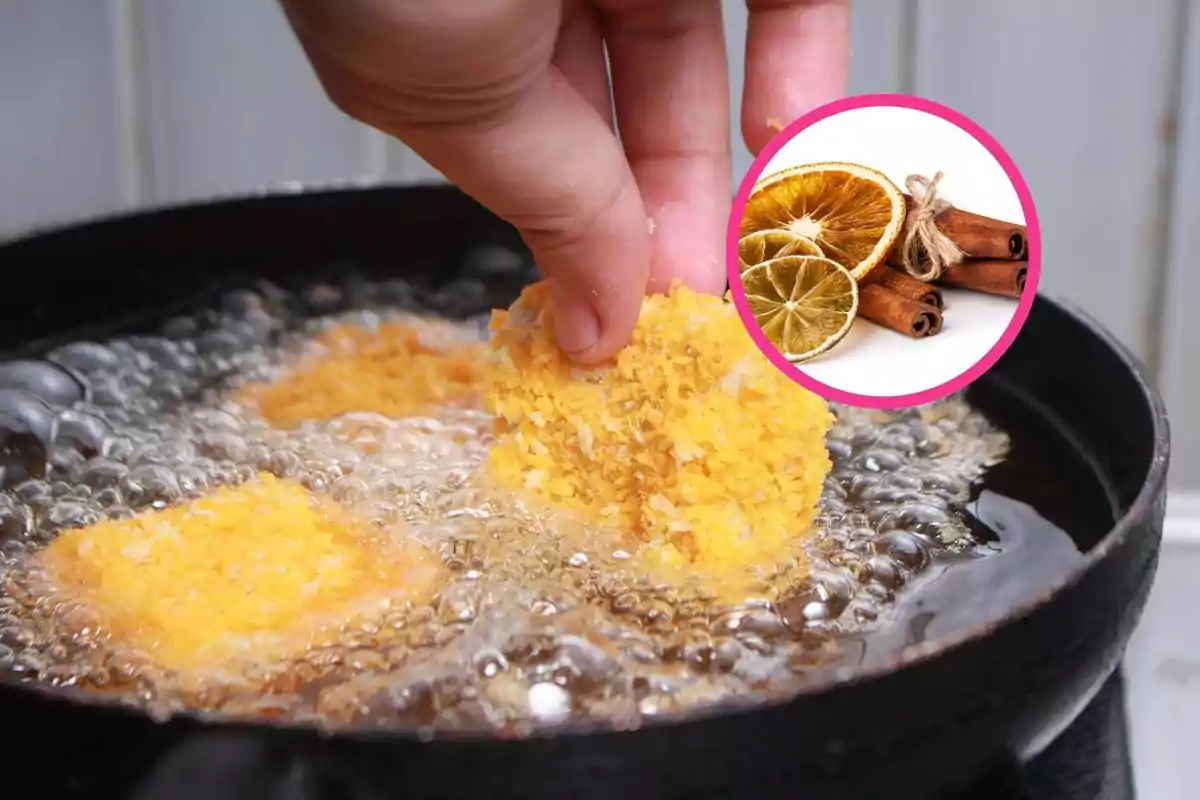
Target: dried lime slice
804 304
760 246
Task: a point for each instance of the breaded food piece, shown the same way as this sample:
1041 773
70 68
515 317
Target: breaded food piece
691 439
394 370
246 574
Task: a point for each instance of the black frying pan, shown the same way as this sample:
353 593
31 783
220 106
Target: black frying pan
967 703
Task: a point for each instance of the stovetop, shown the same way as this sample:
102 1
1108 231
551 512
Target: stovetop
45 756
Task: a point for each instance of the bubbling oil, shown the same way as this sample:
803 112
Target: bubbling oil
543 619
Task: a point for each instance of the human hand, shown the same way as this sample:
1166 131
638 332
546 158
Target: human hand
510 100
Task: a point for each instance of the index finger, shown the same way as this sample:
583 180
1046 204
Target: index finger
797 58
671 90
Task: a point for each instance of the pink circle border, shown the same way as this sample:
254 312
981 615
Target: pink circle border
1024 305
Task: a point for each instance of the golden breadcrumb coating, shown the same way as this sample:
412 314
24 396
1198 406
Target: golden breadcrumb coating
247 573
691 439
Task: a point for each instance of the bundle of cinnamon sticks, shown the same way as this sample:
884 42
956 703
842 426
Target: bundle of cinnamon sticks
995 261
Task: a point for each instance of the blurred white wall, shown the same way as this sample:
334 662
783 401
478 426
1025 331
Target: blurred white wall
113 104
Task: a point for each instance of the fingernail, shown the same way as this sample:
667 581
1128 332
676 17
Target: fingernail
576 325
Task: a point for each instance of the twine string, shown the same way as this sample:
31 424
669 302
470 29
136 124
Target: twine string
926 251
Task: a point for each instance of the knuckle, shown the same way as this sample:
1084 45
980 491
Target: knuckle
439 64
571 222
346 100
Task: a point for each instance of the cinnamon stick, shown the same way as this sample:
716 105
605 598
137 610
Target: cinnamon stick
993 276
906 286
885 307
979 236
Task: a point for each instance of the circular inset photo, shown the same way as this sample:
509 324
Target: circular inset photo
884 251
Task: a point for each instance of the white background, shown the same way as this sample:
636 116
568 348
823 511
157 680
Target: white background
873 360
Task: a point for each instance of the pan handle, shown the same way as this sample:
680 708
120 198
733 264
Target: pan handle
1089 760
1006 781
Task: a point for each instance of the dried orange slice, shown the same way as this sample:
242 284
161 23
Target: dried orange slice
762 246
852 212
804 304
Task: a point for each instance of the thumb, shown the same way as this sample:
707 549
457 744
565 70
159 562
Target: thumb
549 164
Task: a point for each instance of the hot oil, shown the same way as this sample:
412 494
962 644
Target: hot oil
1030 531
926 530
